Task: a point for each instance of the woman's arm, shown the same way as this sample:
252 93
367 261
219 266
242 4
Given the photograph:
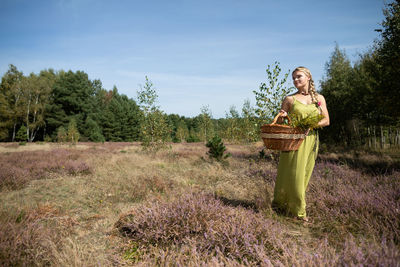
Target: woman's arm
324 111
286 105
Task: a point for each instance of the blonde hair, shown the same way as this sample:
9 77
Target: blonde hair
311 86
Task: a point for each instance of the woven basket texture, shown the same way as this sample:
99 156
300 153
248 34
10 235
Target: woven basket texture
281 137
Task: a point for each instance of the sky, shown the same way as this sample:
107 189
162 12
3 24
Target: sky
204 53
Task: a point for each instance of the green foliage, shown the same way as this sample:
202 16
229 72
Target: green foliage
205 123
309 122
73 95
61 135
217 149
72 132
178 126
270 95
154 128
249 126
5 117
337 88
232 131
388 64
365 95
21 134
12 97
120 117
155 131
93 131
182 132
36 90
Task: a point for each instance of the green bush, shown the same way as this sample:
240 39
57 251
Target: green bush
21 134
192 139
217 149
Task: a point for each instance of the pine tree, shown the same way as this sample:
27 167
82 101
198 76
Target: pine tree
217 149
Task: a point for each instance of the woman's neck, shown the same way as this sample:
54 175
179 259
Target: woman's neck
303 91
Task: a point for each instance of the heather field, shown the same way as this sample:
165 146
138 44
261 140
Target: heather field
112 204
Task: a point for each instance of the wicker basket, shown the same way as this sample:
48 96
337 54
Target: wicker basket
281 137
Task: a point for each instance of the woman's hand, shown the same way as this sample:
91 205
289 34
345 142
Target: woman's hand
283 113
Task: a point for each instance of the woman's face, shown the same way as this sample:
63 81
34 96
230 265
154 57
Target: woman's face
300 79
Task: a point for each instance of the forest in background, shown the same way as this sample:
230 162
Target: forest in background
362 99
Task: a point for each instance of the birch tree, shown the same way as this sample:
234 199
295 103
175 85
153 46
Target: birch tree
154 127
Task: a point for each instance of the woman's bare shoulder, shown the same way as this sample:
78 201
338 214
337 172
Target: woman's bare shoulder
289 98
321 97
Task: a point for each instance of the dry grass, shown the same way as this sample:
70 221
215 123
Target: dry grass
179 208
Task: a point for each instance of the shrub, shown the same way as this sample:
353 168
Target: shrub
26 239
21 134
205 224
18 168
217 149
61 134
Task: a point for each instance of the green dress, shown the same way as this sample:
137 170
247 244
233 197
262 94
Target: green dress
295 169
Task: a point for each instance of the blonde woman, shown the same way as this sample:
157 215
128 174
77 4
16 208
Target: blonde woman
295 167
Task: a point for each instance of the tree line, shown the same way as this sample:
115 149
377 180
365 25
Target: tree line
56 105
363 98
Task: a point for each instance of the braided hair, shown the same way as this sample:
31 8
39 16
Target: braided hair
311 87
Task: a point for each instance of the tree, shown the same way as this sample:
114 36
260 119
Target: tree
337 88
36 91
61 135
12 93
73 96
388 63
248 126
72 133
205 123
120 117
217 149
233 124
21 134
182 132
154 128
5 117
93 130
270 95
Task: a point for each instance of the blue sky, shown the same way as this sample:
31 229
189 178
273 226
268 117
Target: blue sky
196 53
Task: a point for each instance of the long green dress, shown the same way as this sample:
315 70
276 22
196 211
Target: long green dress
295 169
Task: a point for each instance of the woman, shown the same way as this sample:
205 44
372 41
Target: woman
295 167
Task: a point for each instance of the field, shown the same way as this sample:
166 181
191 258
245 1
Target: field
112 204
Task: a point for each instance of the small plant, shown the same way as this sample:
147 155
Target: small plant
309 122
217 149
21 134
61 134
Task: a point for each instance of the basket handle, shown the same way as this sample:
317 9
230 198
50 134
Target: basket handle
277 116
